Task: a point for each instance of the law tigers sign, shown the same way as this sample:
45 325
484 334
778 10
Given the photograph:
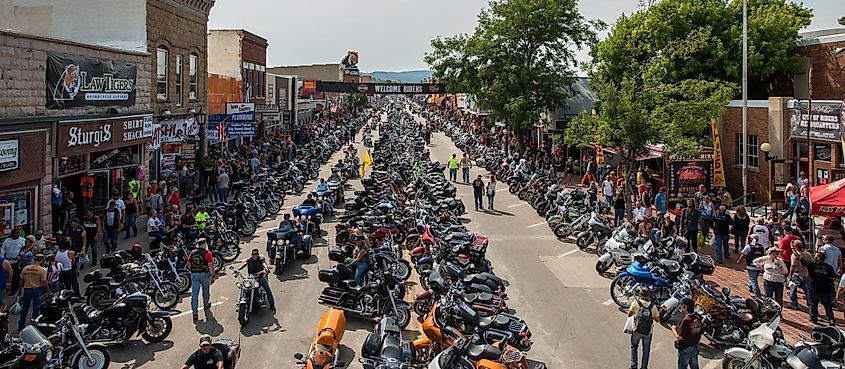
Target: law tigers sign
75 81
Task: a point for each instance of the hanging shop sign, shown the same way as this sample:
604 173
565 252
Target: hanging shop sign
10 154
173 130
75 81
382 88
240 112
80 137
822 151
233 129
824 121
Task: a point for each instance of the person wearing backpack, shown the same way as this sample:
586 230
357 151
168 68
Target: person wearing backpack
687 335
645 314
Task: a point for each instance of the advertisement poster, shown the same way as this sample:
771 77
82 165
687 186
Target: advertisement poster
686 175
9 154
75 81
718 164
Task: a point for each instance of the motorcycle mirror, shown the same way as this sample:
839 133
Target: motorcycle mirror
726 291
297 356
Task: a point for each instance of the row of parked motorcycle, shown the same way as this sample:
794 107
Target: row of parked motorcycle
74 331
409 214
746 327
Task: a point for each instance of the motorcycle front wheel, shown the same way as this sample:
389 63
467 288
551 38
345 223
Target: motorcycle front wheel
157 329
402 270
602 267
99 299
402 316
183 282
621 291
99 359
230 251
166 297
218 262
739 363
563 231
232 237
247 229
583 241
243 314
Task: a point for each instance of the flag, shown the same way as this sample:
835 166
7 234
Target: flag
221 131
718 165
599 154
366 162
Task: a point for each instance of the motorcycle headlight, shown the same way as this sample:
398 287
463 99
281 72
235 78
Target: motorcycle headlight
255 284
238 284
279 242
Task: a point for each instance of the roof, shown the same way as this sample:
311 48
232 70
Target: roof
584 99
820 37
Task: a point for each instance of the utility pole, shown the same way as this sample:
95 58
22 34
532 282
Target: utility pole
744 150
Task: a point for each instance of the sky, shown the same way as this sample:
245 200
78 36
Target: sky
392 35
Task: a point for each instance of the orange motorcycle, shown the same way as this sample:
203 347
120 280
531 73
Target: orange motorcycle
466 353
323 352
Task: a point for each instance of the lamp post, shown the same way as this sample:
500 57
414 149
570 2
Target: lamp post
199 156
745 102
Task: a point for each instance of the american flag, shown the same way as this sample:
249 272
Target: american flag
221 131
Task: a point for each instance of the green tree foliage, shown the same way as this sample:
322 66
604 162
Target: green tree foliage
519 60
773 27
360 100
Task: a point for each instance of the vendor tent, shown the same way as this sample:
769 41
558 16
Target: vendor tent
829 199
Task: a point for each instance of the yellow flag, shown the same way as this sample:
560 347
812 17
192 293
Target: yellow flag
718 165
366 162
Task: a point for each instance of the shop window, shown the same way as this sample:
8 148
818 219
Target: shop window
178 72
17 212
192 77
161 74
115 158
753 150
71 164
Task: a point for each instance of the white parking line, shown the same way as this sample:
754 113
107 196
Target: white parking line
608 302
520 204
565 254
538 224
265 229
501 189
213 304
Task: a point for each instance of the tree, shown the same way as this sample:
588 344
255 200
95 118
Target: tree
360 100
520 60
645 103
773 27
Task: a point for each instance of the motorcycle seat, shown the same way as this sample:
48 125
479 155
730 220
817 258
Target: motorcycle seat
495 321
483 352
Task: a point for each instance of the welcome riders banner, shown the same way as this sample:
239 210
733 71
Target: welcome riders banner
75 81
382 88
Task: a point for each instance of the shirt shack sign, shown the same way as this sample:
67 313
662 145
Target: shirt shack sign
80 137
78 81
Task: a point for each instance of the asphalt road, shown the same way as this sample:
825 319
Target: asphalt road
553 286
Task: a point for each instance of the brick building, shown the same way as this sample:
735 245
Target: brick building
776 121
178 49
42 130
237 63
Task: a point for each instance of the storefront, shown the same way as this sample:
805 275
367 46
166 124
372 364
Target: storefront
96 157
173 142
825 141
23 181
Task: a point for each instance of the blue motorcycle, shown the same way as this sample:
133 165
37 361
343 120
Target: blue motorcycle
309 219
624 288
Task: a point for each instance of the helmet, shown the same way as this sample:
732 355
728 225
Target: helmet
136 248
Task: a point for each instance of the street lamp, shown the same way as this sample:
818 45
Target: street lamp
766 148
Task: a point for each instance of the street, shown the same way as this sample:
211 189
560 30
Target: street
552 285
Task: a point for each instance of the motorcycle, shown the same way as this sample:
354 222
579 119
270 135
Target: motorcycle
464 353
249 299
102 291
769 350
372 300
285 244
66 347
385 349
600 230
323 351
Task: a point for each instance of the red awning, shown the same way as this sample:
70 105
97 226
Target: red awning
828 199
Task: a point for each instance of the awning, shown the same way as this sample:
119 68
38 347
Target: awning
829 199
654 152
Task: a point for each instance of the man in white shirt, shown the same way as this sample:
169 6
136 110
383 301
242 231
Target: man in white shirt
762 231
12 246
832 254
118 204
607 190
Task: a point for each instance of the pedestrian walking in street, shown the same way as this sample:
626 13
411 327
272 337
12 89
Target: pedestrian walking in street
798 274
33 285
12 246
54 270
67 277
706 211
466 164
111 224
201 265
774 274
92 225
478 192
156 200
741 223
752 250
687 335
607 190
619 208
821 277
453 164
786 245
77 236
721 225
223 185
491 192
689 225
762 231
644 312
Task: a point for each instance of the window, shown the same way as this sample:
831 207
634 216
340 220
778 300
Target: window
178 73
753 150
161 74
192 77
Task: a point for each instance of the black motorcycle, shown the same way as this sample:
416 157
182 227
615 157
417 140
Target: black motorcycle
385 349
285 244
252 296
372 300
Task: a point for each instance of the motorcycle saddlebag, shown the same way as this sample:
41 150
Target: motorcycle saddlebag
110 262
702 265
337 254
231 351
328 276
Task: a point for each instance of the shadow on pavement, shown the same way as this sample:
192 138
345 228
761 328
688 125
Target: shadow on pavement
296 269
498 213
209 324
346 354
262 321
138 352
356 323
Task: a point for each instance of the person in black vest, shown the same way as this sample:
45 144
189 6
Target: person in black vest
111 224
821 276
92 225
721 224
207 357
78 238
478 192
255 265
752 250
202 275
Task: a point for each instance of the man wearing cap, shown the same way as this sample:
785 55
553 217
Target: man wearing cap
206 357
201 265
33 285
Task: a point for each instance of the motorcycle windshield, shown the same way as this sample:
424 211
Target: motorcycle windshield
31 336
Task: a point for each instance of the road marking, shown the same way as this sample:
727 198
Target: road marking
500 190
264 229
520 204
713 364
213 304
538 224
565 254
608 302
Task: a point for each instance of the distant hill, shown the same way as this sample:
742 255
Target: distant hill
410 76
